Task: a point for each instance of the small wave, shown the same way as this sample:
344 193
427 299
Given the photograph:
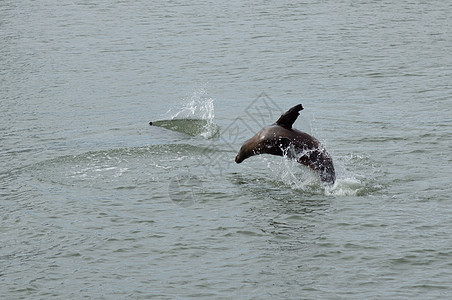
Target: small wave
192 127
193 117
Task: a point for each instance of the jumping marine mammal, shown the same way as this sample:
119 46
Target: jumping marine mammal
283 140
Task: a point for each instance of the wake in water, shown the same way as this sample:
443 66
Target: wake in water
193 117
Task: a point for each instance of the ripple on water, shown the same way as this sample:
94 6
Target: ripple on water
123 168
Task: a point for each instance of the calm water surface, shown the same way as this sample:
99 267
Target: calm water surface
95 203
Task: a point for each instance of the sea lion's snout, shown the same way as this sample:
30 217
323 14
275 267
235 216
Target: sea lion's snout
238 159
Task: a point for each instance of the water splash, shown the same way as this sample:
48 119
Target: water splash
293 175
194 116
346 187
349 182
197 106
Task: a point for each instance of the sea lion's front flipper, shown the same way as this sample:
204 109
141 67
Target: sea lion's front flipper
288 118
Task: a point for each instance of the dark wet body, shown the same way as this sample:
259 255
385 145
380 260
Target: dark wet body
282 140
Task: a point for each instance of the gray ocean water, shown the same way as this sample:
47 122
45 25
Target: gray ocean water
97 204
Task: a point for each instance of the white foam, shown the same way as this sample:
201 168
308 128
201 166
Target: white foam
198 106
301 178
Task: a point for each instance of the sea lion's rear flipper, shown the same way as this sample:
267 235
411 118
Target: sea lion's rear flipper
288 118
320 161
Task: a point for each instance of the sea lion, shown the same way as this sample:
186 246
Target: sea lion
282 140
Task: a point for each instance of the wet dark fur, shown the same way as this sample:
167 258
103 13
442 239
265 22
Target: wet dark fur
282 140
